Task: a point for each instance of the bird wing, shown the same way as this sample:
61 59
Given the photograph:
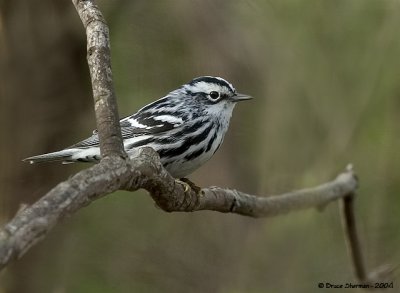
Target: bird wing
138 124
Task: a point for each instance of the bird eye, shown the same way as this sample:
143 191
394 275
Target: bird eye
214 95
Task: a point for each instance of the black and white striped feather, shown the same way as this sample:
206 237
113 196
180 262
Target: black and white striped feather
186 127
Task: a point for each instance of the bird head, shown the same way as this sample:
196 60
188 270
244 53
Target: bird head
214 95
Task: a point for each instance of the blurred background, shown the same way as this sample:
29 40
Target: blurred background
325 77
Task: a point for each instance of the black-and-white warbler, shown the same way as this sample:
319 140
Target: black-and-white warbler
186 127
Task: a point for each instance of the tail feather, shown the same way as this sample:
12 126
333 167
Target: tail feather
64 155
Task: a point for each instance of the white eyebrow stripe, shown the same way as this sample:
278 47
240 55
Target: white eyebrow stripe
204 87
224 80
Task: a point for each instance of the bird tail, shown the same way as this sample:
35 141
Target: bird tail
63 155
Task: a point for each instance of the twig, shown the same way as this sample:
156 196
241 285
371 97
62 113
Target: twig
382 273
352 239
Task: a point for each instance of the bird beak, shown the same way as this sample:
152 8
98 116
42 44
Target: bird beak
241 97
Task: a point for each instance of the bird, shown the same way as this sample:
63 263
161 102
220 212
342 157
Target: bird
186 127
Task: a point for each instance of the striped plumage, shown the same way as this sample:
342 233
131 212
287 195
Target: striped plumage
186 127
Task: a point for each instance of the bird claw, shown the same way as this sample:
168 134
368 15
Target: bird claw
187 185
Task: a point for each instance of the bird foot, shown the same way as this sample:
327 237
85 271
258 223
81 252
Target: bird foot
187 185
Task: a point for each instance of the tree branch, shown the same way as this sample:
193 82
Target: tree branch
144 170
382 273
99 61
161 187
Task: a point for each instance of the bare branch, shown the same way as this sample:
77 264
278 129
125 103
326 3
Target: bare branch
352 238
384 272
160 186
144 170
99 60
